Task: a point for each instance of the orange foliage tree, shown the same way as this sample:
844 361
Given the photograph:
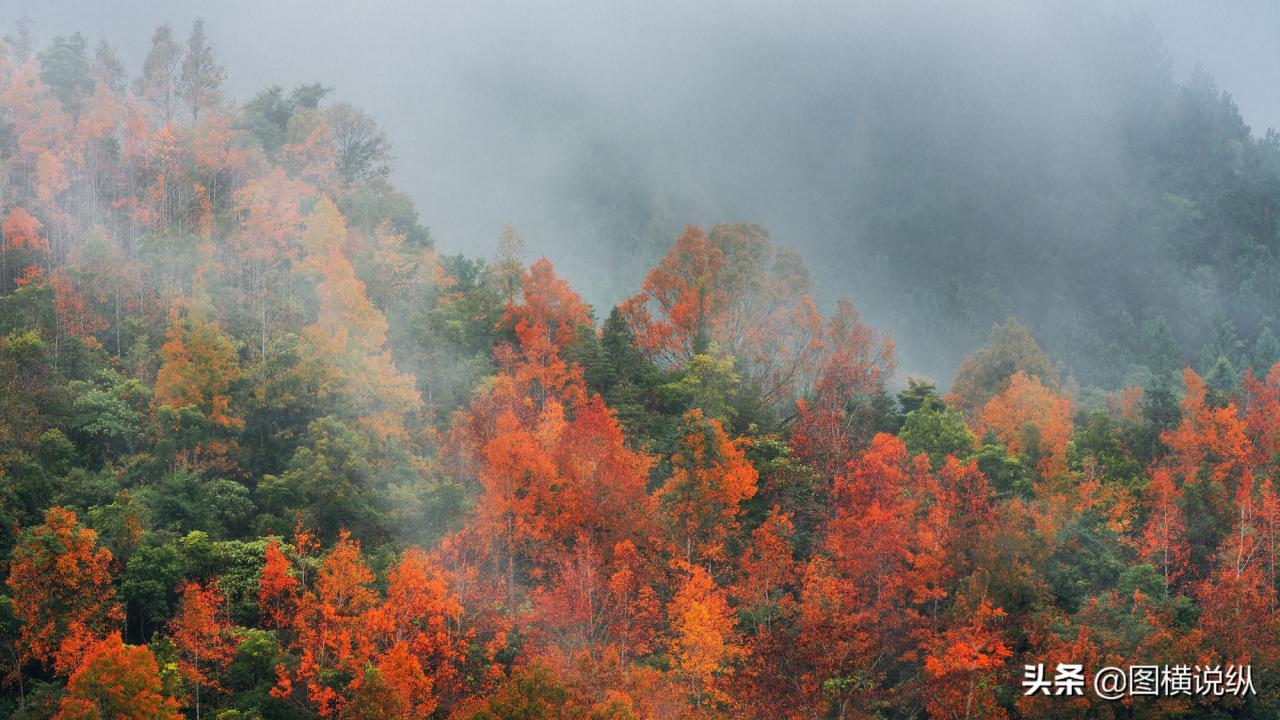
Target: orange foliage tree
343 352
705 643
199 362
399 654
1163 542
549 309
557 481
1209 439
62 591
710 478
570 610
840 411
733 288
202 636
898 540
277 587
22 231
329 631
551 463
73 304
1210 450
766 569
965 663
116 681
1032 419
1240 614
683 290
416 647
1260 407
267 241
634 615
1239 617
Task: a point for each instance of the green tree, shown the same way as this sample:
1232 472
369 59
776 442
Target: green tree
919 393
65 69
1010 349
534 693
1161 350
937 431
267 114
107 414
1008 475
1266 352
1222 377
185 500
1099 447
710 383
330 482
149 586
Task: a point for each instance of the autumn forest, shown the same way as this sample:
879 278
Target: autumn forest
266 454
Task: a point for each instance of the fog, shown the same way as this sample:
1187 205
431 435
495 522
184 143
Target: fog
601 129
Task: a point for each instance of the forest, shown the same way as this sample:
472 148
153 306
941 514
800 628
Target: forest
266 454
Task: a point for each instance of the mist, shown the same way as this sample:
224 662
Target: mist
663 360
869 136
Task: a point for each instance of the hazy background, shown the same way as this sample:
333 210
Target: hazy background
600 129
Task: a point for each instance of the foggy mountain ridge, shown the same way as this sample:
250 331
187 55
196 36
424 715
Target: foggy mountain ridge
945 167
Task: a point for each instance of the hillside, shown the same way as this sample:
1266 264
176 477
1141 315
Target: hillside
265 453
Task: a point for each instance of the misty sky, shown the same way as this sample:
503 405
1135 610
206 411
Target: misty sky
501 111
422 68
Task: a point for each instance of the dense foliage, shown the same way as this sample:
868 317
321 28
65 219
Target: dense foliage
265 454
